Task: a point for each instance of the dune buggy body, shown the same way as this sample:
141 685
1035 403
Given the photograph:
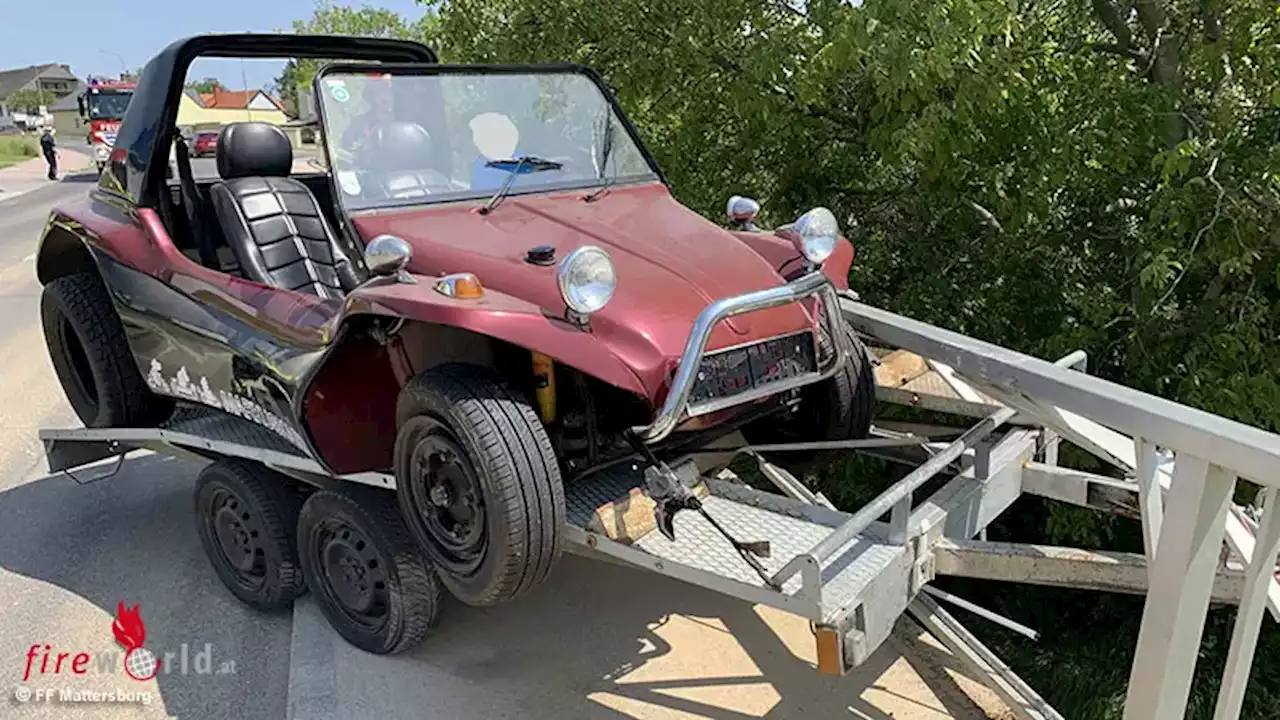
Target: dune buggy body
323 369
486 291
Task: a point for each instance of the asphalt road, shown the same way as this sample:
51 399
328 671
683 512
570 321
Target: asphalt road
597 641
70 553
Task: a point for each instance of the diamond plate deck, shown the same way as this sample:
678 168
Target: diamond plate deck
219 426
790 532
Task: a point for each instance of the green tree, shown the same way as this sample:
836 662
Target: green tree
206 85
29 100
1045 175
331 19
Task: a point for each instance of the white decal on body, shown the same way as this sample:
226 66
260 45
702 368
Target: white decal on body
238 405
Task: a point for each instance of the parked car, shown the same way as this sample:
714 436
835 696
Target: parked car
205 144
492 294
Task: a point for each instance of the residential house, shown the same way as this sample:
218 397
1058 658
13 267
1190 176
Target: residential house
55 79
201 111
67 121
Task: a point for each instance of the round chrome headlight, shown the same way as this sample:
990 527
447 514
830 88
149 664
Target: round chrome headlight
816 232
586 279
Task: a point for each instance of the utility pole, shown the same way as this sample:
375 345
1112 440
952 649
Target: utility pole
123 70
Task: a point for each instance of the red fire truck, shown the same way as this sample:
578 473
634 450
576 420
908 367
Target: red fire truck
103 104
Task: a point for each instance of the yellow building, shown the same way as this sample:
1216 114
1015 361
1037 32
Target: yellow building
209 111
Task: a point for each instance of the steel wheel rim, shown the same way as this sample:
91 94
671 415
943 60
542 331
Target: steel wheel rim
353 573
238 539
448 500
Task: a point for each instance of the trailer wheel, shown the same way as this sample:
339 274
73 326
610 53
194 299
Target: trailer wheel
91 356
245 516
838 408
365 572
478 482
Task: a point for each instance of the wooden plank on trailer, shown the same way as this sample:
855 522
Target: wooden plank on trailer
630 517
899 368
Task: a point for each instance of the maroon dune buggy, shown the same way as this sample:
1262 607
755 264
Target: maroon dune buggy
490 296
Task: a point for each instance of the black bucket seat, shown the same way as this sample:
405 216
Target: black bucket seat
271 221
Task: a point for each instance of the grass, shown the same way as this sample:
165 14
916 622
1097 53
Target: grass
17 148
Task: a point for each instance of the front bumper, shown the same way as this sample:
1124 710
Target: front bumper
678 407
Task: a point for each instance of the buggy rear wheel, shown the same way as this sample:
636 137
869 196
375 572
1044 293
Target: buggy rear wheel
365 572
478 482
245 516
91 356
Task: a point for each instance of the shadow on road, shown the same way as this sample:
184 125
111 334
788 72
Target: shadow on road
604 641
131 538
598 640
80 177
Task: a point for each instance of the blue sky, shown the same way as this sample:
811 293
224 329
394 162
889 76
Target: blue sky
94 37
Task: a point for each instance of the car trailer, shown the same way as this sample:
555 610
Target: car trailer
852 575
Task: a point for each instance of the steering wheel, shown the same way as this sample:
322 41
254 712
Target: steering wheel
404 184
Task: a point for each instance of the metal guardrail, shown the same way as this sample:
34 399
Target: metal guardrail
1184 512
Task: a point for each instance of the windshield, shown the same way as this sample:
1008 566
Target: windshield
396 139
108 105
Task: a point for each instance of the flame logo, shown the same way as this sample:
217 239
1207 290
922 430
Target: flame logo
139 662
128 628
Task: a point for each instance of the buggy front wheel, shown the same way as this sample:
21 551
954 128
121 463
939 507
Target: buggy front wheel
838 408
478 482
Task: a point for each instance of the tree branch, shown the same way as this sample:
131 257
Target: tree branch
1153 17
1118 49
1111 16
1195 243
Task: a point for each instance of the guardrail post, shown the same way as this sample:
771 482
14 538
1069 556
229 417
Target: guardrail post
1182 575
1244 636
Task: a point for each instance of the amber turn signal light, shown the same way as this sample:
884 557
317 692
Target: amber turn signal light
464 286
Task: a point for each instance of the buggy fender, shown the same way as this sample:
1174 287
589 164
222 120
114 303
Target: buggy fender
507 318
782 255
64 248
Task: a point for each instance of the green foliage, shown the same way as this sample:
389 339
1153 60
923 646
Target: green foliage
29 100
332 19
1044 175
206 85
17 148
1009 170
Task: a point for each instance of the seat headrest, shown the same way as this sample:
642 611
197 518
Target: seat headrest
398 145
253 149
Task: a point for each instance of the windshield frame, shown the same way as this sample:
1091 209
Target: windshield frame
422 69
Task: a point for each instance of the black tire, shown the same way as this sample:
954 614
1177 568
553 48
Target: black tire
246 517
365 572
91 356
494 533
838 408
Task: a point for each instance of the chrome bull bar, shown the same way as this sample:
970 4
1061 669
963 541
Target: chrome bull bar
677 408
